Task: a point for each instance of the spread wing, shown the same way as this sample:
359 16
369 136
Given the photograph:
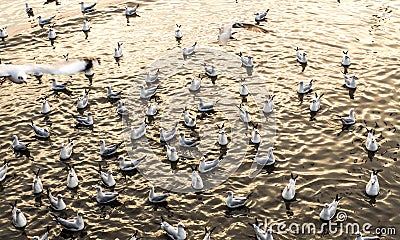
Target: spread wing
7 69
64 68
254 28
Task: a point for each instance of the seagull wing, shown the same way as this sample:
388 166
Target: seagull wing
69 224
254 28
64 68
8 69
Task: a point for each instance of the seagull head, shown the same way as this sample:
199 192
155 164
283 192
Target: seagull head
358 234
180 225
269 231
15 137
121 158
101 142
98 188
80 213
326 206
230 193
109 171
39 17
59 196
89 113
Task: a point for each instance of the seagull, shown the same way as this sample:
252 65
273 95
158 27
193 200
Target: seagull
56 203
40 132
222 137
134 236
372 187
301 56
350 120
225 33
148 93
210 71
18 218
85 121
52 33
73 225
243 91
208 166
139 132
303 89
166 136
152 78
86 25
105 197
37 186
157 198
29 10
17 145
107 177
118 51
350 81
316 103
125 165
189 50
360 237
83 100
112 95
269 105
197 181
246 62
72 178
207 235
44 237
329 210
86 9
261 234
233 202
178 32
195 84
129 12
371 144
56 86
260 16
18 73
346 59
3 171
172 154
151 109
206 107
43 22
188 119
3 33
121 109
244 115
176 233
45 108
267 160
255 135
108 150
187 142
289 191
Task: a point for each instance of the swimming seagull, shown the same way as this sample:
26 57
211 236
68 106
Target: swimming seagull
222 137
105 197
135 236
83 100
269 105
43 22
301 56
152 78
188 119
107 177
237 202
208 166
56 86
315 104
118 51
372 187
45 108
371 144
255 135
52 33
17 145
18 73
187 142
207 235
350 120
360 237
267 160
125 165
73 225
66 150
178 32
139 132
303 89
246 62
346 59
206 107
85 121
40 132
261 234
108 150
243 91
56 203
260 16
112 95
37 186
210 71
166 136
72 178
197 181
86 25
350 81
176 233
29 10
195 84
129 12
289 191
121 109
329 210
44 237
148 93
18 218
3 33
152 109
189 50
86 9
225 33
172 154
244 115
157 198
3 171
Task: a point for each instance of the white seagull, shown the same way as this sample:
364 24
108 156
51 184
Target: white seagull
56 86
178 32
73 225
86 9
222 137
262 234
243 91
152 78
37 186
237 202
86 25
85 121
329 210
208 166
166 136
148 93
66 150
187 142
207 235
18 218
303 89
52 33
197 181
129 12
360 237
371 144
139 132
195 84
372 187
3 171
260 16
350 81
176 233
315 104
44 237
29 10
125 165
289 191
350 120
121 109
40 132
112 95
346 59
188 119
269 105
244 115
172 154
107 177
57 203
255 135
246 62
45 108
3 33
151 109
187 51
206 107
118 51
225 33
72 178
157 198
83 100
210 71
17 145
43 22
301 56
267 160
105 197
108 150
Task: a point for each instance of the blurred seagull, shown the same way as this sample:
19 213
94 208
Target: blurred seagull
148 93
372 188
37 186
176 233
56 86
350 81
255 135
29 10
187 142
197 181
83 100
86 25
315 104
269 105
66 150
246 62
46 21
73 225
208 166
139 132
52 33
121 109
189 50
346 59
244 115
260 16
172 154
118 51
188 119
206 107
166 136
371 144
72 178
151 109
225 33
210 71
3 171
3 33
360 237
18 218
243 91
301 56
125 165
178 32
195 84
40 132
45 108
222 137
152 78
86 9
112 95
261 234
207 235
289 191
267 160
85 121
129 12
44 237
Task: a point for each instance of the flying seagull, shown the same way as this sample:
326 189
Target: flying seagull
225 33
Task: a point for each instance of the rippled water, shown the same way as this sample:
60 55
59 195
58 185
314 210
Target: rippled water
327 159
